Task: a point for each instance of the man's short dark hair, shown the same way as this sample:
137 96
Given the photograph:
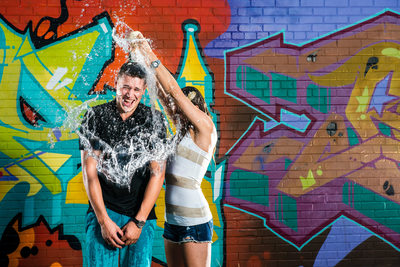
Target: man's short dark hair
132 69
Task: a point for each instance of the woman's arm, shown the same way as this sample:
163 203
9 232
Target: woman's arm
203 124
167 102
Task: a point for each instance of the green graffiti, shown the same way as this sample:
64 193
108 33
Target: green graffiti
286 210
352 136
257 84
319 98
284 87
385 129
372 205
249 186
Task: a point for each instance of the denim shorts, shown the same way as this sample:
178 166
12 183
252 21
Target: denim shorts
196 233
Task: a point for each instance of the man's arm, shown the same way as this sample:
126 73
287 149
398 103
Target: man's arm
109 230
157 174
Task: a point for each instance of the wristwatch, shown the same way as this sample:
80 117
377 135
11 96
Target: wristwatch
155 63
138 223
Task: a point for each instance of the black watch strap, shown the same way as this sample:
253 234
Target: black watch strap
138 223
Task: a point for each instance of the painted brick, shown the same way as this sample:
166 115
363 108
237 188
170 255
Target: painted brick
300 11
289 35
300 35
331 11
324 27
213 3
248 234
369 11
353 11
274 27
189 3
287 3
19 11
220 11
10 3
311 19
335 19
250 12
275 11
311 3
226 35
262 20
45 10
175 11
250 35
240 3
240 20
288 19
262 35
362 3
237 35
337 3
227 44
299 27
250 28
262 3
385 3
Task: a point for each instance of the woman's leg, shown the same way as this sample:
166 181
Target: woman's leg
174 254
196 254
189 254
191 248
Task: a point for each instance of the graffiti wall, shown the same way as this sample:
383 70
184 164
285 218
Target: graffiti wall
305 96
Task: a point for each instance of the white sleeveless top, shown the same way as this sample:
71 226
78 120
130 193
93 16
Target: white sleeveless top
185 203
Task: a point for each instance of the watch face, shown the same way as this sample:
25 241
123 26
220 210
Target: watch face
140 224
155 63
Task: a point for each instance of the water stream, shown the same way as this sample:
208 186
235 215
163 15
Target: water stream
120 162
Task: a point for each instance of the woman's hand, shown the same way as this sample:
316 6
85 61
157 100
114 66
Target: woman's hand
138 42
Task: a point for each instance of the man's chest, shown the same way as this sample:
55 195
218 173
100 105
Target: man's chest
115 132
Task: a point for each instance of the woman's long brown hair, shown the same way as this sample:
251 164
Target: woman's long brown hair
197 99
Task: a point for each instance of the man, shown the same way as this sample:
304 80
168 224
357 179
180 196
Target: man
113 137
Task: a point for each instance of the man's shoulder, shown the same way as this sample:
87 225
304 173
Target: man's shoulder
150 111
103 108
143 108
106 105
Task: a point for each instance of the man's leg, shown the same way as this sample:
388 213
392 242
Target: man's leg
140 253
99 253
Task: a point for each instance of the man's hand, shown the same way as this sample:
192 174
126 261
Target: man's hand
131 233
111 233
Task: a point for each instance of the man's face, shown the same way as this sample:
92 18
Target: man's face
129 93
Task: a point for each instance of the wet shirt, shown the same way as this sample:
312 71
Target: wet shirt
122 143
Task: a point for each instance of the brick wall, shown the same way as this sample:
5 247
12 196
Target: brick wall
304 94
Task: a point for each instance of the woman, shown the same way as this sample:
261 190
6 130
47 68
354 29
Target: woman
188 228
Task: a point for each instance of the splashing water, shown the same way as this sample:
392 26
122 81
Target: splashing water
119 163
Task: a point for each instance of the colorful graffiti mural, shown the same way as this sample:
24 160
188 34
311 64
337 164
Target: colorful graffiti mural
40 167
38 245
308 153
40 163
325 141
